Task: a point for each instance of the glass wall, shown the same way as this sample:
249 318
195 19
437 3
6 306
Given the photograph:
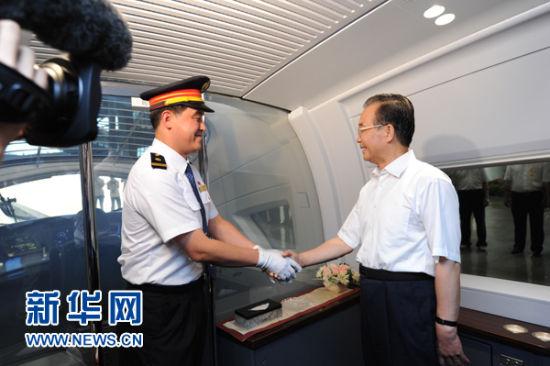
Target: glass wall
41 225
124 134
39 200
260 180
505 220
258 177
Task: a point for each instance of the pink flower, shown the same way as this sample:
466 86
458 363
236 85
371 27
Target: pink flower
334 274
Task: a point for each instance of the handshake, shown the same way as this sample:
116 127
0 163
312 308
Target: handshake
276 265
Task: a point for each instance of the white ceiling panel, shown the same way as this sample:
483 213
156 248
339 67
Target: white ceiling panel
238 43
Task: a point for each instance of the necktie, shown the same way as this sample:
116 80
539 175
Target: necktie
191 178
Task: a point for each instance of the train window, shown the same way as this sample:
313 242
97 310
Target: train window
505 221
40 198
41 221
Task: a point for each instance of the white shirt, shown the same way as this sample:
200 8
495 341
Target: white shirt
468 178
160 205
527 177
406 217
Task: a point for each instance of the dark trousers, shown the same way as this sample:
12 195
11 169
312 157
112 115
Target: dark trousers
472 202
397 321
174 327
528 204
115 201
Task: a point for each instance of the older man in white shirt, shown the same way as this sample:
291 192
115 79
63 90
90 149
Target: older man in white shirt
406 224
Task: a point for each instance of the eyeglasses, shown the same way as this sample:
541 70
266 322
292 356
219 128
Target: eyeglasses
361 129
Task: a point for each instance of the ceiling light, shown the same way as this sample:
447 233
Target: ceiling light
445 19
434 11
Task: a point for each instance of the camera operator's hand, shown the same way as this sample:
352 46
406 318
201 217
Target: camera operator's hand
20 58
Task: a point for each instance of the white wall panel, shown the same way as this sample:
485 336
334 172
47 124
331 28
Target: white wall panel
454 61
384 39
338 140
321 169
492 114
464 99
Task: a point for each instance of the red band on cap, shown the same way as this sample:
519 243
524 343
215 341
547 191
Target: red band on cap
192 95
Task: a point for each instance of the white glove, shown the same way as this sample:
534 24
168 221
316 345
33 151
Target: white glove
297 268
271 260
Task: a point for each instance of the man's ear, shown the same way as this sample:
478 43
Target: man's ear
167 119
389 131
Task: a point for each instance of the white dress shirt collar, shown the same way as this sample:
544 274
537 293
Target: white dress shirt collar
173 159
397 166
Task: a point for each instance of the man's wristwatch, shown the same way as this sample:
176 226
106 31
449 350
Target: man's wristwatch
449 323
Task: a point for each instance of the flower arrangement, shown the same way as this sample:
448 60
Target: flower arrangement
335 276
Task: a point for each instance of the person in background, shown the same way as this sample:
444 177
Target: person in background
98 191
113 187
473 196
406 225
527 188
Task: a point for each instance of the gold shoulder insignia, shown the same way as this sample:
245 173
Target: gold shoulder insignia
158 161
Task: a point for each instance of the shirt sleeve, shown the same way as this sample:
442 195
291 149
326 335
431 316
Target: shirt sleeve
350 231
212 210
161 201
437 205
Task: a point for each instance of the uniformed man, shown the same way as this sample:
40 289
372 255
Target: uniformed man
166 219
406 224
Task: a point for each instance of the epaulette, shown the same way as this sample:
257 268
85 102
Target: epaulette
158 161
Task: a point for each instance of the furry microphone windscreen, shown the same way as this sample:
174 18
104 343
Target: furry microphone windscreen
90 30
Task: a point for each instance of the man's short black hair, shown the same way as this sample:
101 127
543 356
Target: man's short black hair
155 115
397 110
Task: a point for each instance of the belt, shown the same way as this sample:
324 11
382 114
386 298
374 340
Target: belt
174 289
383 275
